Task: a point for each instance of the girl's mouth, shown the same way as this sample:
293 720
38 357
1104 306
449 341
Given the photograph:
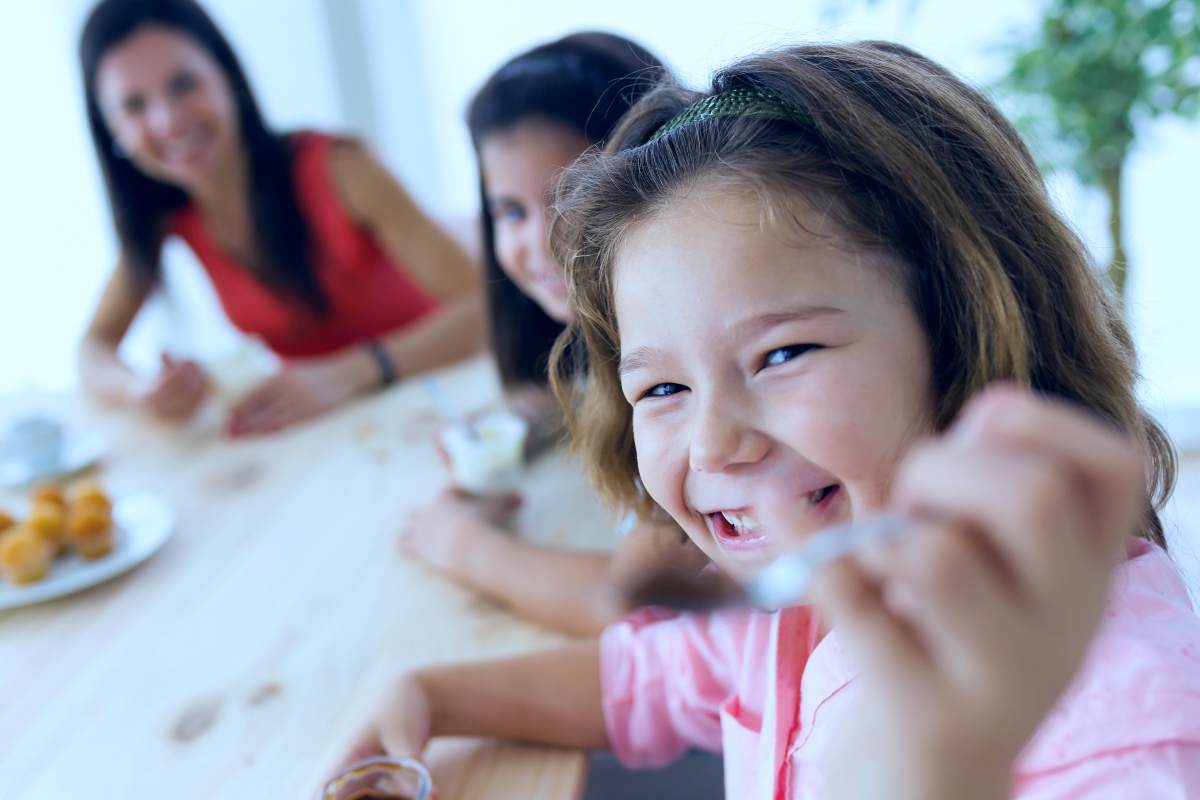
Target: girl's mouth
736 530
739 530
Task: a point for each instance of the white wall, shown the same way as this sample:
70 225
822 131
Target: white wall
424 59
52 212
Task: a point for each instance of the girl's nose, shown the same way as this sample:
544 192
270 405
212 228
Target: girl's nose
722 440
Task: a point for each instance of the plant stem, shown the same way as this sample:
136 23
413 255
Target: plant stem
1111 179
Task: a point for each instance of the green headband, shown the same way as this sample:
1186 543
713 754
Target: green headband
739 102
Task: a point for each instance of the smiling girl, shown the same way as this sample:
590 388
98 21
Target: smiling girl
797 292
529 121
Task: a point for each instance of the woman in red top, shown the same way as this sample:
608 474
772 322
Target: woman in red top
310 244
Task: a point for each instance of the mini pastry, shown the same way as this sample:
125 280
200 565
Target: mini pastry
49 492
25 557
90 492
90 530
94 545
48 520
88 518
6 521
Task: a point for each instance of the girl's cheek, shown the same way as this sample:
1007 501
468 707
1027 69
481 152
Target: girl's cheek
507 253
661 477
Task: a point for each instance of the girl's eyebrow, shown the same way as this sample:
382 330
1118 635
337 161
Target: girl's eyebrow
637 358
761 323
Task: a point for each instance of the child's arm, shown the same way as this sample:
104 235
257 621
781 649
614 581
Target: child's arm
569 590
969 628
551 698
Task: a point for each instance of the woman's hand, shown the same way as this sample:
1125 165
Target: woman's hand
300 391
452 529
175 393
969 628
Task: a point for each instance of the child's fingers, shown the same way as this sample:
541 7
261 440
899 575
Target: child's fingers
854 603
1108 465
1027 509
946 582
366 745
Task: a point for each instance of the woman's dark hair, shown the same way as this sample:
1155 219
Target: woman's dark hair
141 205
586 81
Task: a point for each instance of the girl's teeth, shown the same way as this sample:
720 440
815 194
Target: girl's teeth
741 522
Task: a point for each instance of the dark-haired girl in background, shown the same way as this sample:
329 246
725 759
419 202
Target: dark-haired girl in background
309 242
532 118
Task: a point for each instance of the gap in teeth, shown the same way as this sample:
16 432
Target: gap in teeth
820 494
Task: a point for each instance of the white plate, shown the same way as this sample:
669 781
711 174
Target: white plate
79 452
143 523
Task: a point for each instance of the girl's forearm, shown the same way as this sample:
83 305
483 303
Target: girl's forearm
568 590
550 698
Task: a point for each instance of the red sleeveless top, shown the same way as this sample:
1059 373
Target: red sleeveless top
368 294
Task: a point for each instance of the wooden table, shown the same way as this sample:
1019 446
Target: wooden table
239 659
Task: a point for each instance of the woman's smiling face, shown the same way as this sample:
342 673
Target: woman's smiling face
168 105
776 375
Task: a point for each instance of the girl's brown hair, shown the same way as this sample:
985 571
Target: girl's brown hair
906 157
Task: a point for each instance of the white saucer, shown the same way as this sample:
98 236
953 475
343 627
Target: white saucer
79 452
143 523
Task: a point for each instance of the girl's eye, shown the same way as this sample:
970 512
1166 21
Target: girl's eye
134 105
508 211
781 355
182 83
664 390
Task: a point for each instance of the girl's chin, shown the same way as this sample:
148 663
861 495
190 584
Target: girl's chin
740 565
555 308
743 566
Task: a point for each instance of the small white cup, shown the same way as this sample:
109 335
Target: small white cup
486 454
242 368
36 442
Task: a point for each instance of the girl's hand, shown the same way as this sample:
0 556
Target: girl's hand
300 391
969 628
176 392
400 728
449 530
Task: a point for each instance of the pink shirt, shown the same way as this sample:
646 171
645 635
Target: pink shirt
763 689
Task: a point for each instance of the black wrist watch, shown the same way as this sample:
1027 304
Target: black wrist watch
383 360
